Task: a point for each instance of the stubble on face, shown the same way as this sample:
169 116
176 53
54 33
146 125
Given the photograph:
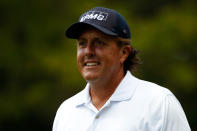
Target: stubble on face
98 56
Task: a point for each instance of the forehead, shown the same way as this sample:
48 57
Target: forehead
94 33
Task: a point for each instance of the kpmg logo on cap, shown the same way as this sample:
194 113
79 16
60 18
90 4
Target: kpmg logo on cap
98 15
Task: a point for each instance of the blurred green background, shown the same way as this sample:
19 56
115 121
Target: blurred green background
38 64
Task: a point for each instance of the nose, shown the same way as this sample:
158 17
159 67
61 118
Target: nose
89 51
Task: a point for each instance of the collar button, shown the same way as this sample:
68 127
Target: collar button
97 116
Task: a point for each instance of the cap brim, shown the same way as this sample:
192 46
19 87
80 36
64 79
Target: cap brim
76 29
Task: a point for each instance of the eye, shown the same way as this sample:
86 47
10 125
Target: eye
82 43
100 42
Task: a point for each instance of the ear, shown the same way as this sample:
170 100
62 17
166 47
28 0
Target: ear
125 51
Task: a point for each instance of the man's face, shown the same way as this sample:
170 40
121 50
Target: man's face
98 56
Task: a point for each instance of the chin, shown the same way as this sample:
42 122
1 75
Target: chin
90 76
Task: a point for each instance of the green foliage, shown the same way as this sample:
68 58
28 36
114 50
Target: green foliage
38 64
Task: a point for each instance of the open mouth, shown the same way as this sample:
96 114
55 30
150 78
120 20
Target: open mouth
92 64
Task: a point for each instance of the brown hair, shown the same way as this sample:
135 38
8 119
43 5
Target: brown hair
132 60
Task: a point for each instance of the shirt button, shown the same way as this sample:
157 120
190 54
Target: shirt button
97 116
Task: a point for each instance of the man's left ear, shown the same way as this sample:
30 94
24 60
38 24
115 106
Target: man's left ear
125 51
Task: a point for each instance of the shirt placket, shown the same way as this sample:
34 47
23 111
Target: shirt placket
96 116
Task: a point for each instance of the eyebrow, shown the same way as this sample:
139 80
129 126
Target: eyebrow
94 39
81 38
97 38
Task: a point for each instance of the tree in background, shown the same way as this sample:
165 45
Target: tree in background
37 63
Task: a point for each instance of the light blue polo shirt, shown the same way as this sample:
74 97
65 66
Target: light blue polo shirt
136 105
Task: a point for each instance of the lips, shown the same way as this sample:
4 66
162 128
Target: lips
91 63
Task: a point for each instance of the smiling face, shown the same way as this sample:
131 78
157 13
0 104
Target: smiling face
98 56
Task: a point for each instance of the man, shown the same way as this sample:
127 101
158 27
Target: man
113 99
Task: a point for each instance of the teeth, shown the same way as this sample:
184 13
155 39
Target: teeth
92 64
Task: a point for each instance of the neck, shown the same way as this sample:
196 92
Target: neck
102 90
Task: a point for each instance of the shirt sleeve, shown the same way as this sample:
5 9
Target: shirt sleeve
56 121
175 119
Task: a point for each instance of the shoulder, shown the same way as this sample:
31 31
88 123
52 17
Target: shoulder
152 90
152 97
161 105
66 109
146 89
70 103
65 112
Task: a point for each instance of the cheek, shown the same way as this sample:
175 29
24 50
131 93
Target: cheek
114 56
79 58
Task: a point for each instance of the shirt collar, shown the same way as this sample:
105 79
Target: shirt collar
124 91
83 96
